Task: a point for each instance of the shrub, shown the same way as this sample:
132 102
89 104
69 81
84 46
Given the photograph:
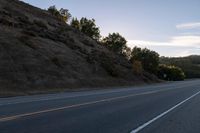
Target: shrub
40 24
137 67
6 13
24 19
6 22
172 73
88 43
108 65
25 39
62 14
29 32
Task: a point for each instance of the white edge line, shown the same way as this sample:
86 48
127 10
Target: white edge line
162 114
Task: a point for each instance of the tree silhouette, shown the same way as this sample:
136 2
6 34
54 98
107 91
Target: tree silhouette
54 11
115 42
62 14
75 24
87 26
65 15
148 58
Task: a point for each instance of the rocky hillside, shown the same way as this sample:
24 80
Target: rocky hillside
37 51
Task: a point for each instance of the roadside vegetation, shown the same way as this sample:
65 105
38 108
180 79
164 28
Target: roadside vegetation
142 59
62 14
190 65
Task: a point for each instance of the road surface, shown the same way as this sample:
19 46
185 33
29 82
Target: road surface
172 107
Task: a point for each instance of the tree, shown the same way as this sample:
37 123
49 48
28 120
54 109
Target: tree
53 10
115 42
170 72
75 24
65 15
62 14
148 58
87 26
127 52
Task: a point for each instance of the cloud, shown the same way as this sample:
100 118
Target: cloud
183 41
186 40
175 46
190 34
195 25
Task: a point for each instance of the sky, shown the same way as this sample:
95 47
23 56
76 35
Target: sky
170 27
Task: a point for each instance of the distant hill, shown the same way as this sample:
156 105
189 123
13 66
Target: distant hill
38 51
190 64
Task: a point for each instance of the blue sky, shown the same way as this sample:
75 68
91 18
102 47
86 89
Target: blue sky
170 27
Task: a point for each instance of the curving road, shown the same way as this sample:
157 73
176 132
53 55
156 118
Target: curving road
172 107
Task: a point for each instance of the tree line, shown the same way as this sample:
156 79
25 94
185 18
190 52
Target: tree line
190 64
142 59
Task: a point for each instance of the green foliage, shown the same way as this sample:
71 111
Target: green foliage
62 14
190 65
54 11
148 58
65 15
127 52
87 27
171 73
115 42
75 24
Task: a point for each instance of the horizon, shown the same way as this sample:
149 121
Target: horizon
165 27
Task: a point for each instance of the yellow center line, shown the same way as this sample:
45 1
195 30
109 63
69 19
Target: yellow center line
14 117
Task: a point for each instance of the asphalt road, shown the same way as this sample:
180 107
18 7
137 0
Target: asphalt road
162 108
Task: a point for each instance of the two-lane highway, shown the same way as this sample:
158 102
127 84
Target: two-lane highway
162 108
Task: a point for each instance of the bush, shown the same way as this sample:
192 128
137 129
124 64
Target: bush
62 14
29 33
190 64
108 65
40 24
24 19
171 73
6 22
137 67
25 39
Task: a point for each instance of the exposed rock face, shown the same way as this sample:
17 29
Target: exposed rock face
38 51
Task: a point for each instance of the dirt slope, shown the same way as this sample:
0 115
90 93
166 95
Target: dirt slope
37 51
